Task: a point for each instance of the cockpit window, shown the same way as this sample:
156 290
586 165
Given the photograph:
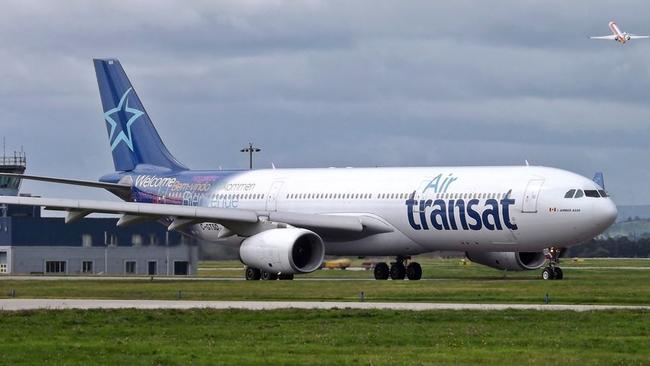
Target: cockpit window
592 193
603 193
570 193
578 193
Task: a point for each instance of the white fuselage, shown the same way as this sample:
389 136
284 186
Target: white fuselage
519 208
620 36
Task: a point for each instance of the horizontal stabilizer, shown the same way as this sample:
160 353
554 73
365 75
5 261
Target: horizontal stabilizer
76 182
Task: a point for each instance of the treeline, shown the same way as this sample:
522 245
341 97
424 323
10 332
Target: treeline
620 247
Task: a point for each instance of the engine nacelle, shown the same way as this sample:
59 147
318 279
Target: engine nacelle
284 251
509 261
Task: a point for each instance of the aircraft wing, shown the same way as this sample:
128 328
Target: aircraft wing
610 37
240 221
634 36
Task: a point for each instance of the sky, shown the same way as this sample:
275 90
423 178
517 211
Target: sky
335 83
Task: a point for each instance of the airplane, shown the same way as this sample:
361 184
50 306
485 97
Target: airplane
284 221
619 36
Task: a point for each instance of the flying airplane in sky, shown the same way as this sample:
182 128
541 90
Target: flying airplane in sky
619 36
285 220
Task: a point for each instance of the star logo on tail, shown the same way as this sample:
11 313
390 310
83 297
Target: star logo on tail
116 137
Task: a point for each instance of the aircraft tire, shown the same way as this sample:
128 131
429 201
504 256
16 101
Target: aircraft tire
548 274
414 271
253 274
559 274
269 276
397 271
381 271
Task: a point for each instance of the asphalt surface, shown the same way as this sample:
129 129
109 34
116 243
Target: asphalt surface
59 304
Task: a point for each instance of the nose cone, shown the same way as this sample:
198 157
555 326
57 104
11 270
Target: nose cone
605 214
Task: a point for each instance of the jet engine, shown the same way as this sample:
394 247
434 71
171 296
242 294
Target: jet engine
285 251
509 261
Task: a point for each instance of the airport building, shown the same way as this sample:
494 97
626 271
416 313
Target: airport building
32 244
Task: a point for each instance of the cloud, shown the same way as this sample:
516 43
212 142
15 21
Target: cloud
320 83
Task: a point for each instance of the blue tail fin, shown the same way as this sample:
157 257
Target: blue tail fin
599 179
131 134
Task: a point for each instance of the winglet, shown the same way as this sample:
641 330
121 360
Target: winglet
599 179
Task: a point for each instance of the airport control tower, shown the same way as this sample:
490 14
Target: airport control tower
10 186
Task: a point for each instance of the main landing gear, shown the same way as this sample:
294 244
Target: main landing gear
553 270
254 274
398 270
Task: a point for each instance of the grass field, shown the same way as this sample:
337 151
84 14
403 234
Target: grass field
290 337
352 337
586 282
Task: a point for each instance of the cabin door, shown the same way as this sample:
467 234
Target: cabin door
272 197
531 195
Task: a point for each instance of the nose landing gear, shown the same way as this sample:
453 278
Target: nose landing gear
553 270
398 270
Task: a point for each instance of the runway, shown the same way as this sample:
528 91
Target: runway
60 304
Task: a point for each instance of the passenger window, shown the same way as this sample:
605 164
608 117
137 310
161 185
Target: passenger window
592 193
603 193
570 193
579 193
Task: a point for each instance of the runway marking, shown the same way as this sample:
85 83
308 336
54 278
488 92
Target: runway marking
60 304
